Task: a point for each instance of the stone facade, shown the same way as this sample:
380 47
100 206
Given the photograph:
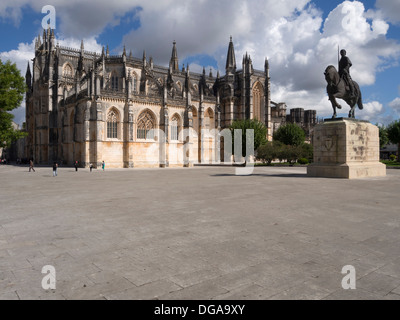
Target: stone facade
89 107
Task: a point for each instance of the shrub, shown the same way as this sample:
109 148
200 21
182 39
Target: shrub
290 153
269 152
290 134
392 157
383 136
393 132
303 161
308 152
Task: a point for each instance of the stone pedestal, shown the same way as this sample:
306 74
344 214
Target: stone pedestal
346 148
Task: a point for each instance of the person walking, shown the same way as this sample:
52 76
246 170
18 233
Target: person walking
103 165
76 166
31 166
55 167
91 166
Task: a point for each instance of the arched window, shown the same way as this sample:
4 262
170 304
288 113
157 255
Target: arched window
145 124
258 96
112 124
135 82
67 71
209 119
175 128
114 82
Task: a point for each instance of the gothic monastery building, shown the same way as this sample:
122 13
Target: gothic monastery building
129 112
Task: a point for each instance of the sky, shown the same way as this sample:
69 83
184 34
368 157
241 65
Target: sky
300 38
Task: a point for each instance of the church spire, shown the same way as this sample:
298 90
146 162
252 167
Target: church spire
37 43
266 64
48 32
144 58
44 39
174 63
188 86
28 77
230 59
28 69
187 80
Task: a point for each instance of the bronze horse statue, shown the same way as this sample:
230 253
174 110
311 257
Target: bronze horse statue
337 88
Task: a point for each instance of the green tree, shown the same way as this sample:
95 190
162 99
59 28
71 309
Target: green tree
269 152
291 153
308 152
260 133
393 132
12 89
383 136
290 134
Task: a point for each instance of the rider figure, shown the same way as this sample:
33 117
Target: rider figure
344 71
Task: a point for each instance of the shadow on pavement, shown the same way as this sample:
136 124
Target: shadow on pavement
286 175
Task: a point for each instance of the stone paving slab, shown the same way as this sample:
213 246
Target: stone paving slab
198 233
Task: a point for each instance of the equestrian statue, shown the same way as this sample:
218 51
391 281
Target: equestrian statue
341 86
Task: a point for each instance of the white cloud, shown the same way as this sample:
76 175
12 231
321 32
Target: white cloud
75 18
365 42
395 105
197 68
371 110
90 44
298 69
11 10
21 56
390 9
291 33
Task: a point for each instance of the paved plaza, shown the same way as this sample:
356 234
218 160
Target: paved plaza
199 233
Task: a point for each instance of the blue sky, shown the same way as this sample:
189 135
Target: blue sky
299 37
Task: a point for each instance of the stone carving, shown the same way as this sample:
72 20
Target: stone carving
329 143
